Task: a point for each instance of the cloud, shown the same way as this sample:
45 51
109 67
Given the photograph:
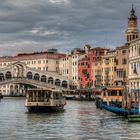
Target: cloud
40 31
59 1
29 25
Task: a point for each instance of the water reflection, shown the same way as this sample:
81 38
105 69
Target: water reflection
79 121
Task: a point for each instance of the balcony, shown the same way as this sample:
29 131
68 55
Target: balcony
120 75
116 61
106 61
99 71
107 70
131 77
119 79
98 76
107 79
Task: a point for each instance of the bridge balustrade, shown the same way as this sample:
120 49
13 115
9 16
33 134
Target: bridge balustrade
20 73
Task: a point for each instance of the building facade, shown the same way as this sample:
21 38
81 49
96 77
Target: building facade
122 65
108 68
134 64
42 61
83 72
88 68
96 61
68 66
134 53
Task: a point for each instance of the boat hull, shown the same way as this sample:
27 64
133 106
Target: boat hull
134 118
117 110
120 111
45 108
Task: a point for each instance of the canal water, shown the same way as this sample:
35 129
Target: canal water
80 121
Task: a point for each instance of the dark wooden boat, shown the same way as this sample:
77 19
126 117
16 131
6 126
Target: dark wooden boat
120 111
113 99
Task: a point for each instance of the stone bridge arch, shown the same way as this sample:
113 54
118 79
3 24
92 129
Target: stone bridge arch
21 70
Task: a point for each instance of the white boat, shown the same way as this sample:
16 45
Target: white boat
40 100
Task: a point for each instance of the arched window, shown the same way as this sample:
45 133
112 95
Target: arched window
64 84
16 89
29 75
138 85
43 78
124 61
8 75
57 82
50 80
133 36
11 90
36 76
1 76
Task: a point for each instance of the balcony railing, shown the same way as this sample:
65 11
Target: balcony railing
98 77
107 62
136 76
107 70
107 79
119 79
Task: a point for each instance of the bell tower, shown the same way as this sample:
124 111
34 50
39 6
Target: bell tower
132 31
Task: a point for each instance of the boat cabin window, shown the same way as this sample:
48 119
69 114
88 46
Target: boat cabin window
38 96
97 93
104 92
120 92
57 95
112 92
69 92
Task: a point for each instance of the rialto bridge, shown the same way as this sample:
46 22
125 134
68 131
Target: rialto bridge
18 73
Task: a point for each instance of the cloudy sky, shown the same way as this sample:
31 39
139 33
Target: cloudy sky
36 25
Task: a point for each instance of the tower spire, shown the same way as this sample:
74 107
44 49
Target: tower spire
132 29
132 14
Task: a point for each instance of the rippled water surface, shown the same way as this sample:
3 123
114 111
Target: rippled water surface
79 121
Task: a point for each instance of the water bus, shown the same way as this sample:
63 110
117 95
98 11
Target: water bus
39 100
70 94
84 94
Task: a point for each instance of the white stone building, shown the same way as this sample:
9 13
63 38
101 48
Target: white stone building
68 66
134 64
43 61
